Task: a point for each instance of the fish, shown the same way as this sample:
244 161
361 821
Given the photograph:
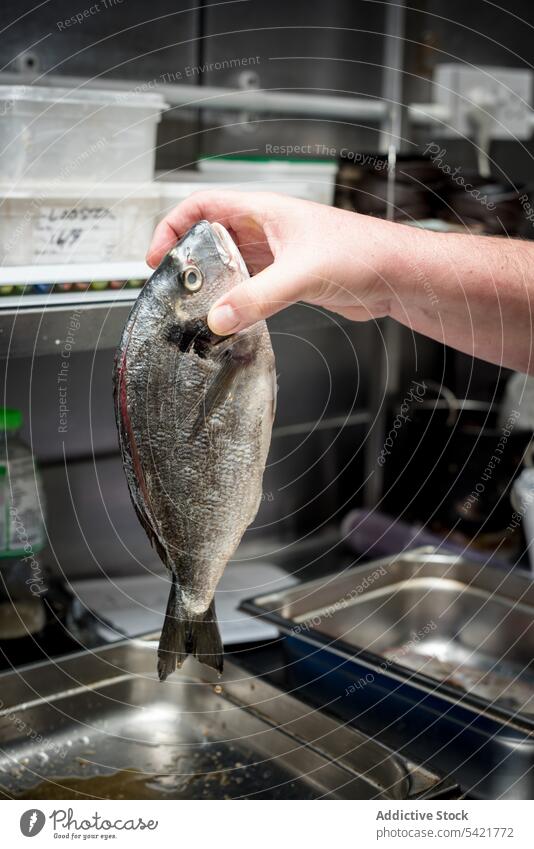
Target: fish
194 415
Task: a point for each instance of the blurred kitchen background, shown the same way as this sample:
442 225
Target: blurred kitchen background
111 114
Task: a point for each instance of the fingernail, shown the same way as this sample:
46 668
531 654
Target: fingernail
223 319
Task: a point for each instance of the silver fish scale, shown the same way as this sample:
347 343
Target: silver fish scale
194 415
203 487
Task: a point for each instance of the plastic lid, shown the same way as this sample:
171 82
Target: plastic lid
98 96
218 158
57 191
10 419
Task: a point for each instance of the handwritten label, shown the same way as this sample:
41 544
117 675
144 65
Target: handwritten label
83 233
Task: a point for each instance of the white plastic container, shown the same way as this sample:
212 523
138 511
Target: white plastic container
47 223
83 135
318 176
178 185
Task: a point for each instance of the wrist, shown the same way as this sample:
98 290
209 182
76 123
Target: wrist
406 270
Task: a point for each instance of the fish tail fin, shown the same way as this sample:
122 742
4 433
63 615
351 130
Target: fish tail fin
204 639
181 636
171 649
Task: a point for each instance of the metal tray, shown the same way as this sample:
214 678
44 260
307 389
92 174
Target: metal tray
348 637
450 626
100 725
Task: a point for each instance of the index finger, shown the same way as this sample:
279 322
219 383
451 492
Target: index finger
212 205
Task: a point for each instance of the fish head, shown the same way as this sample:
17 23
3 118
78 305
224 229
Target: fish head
201 267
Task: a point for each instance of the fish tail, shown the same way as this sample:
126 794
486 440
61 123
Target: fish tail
181 636
204 639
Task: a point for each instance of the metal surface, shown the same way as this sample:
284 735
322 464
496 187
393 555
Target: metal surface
486 745
392 85
107 728
473 627
220 98
309 48
226 99
314 470
70 272
129 42
388 343
480 35
34 331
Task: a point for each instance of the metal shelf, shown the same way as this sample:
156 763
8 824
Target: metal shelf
271 101
49 300
89 325
38 324
73 272
93 325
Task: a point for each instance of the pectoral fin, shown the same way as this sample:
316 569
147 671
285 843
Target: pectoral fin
233 355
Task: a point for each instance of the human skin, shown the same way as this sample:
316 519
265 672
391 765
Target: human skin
471 292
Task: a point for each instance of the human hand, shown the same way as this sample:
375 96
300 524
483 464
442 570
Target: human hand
297 251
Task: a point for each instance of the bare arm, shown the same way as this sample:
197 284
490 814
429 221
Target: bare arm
474 293
471 292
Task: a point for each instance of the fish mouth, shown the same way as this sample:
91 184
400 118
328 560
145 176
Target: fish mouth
227 248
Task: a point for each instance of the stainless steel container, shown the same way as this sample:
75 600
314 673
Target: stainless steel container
100 725
432 644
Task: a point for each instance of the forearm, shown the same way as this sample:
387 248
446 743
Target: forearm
474 293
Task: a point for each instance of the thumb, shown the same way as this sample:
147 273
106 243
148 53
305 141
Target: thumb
265 294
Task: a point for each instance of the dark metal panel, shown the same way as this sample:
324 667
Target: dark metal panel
321 363
128 39
311 481
91 523
320 428
67 411
477 33
34 332
335 47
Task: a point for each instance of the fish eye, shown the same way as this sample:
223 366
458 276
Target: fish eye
192 278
